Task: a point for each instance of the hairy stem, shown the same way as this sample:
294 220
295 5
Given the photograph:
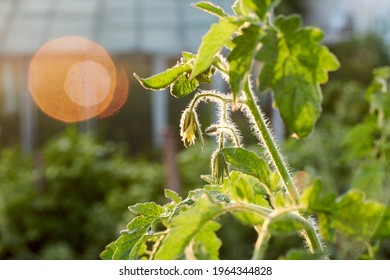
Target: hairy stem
308 229
263 236
266 138
207 95
269 144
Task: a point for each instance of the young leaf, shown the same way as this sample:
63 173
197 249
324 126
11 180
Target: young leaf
148 209
207 243
286 225
185 227
172 195
108 252
126 243
247 162
356 217
211 8
218 35
246 189
295 64
259 7
187 56
183 86
164 79
241 58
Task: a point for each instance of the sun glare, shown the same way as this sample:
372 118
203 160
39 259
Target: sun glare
74 79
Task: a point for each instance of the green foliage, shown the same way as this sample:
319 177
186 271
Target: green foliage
295 63
16 201
211 8
187 226
338 216
69 203
294 66
241 57
353 161
163 80
249 163
212 43
372 151
257 189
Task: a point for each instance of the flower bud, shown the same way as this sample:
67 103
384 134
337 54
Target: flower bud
219 166
188 127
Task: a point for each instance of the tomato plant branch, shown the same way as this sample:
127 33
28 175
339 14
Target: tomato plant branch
267 140
308 229
277 160
208 95
263 236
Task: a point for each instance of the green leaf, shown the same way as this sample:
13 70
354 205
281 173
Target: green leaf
241 187
371 179
185 227
315 199
379 83
211 8
367 132
187 56
108 252
148 209
205 77
183 86
126 244
246 189
356 217
378 94
350 216
384 226
207 243
164 79
241 58
172 195
218 35
285 225
295 64
248 162
259 7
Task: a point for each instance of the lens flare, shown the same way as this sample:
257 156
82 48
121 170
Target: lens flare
120 95
89 78
74 79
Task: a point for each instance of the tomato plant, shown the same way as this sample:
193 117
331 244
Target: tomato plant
255 186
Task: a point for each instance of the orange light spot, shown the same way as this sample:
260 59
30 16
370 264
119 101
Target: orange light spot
120 95
73 79
87 83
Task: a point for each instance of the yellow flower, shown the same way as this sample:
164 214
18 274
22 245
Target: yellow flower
188 127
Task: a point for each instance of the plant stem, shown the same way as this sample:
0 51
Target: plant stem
262 240
307 227
207 95
312 238
266 138
269 144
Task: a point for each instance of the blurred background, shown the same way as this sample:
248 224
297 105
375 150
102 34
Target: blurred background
65 188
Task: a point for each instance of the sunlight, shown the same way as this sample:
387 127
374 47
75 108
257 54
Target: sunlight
73 79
